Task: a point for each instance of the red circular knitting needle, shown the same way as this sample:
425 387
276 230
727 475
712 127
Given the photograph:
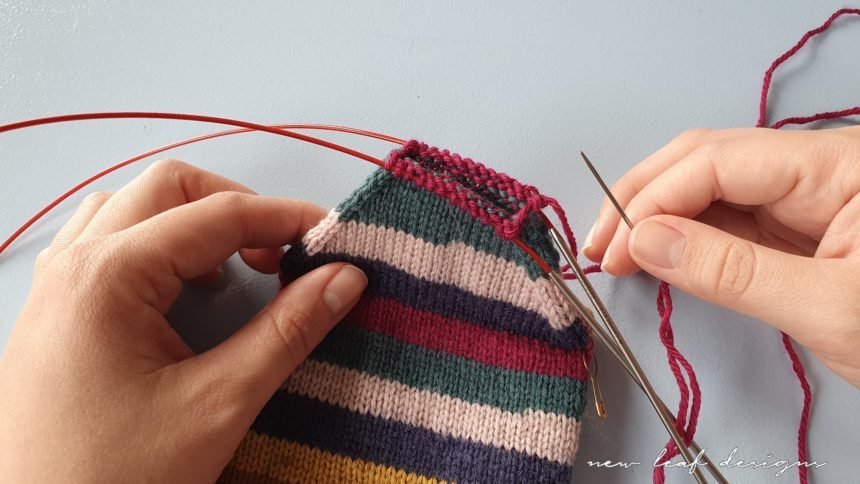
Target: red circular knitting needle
190 117
246 127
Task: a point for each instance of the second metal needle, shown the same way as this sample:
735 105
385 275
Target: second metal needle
661 411
624 350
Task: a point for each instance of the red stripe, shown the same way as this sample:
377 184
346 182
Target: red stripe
492 347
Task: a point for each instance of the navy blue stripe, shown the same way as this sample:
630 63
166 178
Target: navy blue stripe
340 431
444 299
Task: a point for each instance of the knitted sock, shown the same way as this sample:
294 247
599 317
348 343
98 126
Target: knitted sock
462 362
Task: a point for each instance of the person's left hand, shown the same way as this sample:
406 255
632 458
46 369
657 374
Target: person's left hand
95 384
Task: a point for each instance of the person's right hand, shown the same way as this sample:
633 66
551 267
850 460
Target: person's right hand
760 221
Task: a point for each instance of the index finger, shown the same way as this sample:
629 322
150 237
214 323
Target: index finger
635 180
166 184
758 169
191 240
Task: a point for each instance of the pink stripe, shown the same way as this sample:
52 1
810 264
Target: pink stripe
544 434
491 347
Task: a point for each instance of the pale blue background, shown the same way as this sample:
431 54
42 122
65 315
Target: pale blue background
522 86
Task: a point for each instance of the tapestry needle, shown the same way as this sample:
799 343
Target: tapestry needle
606 190
659 403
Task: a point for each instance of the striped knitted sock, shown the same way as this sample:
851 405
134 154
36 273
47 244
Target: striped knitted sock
461 362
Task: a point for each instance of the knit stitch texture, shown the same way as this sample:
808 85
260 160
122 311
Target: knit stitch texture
462 362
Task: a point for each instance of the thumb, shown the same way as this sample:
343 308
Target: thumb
256 360
767 284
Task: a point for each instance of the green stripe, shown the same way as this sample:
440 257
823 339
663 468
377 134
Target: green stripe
415 366
391 202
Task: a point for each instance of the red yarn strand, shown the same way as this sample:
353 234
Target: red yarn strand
677 361
797 365
799 120
768 77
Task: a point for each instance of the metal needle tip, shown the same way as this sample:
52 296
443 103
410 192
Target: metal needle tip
606 189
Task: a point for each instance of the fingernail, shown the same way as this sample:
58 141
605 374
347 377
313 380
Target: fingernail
344 288
658 244
587 244
604 263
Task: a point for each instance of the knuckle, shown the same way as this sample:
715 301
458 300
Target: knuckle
43 255
74 262
708 154
711 149
42 259
692 135
96 198
220 405
232 205
166 169
292 326
835 145
625 187
79 253
732 271
229 199
84 262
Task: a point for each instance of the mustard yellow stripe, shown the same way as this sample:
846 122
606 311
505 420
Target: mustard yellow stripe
286 461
